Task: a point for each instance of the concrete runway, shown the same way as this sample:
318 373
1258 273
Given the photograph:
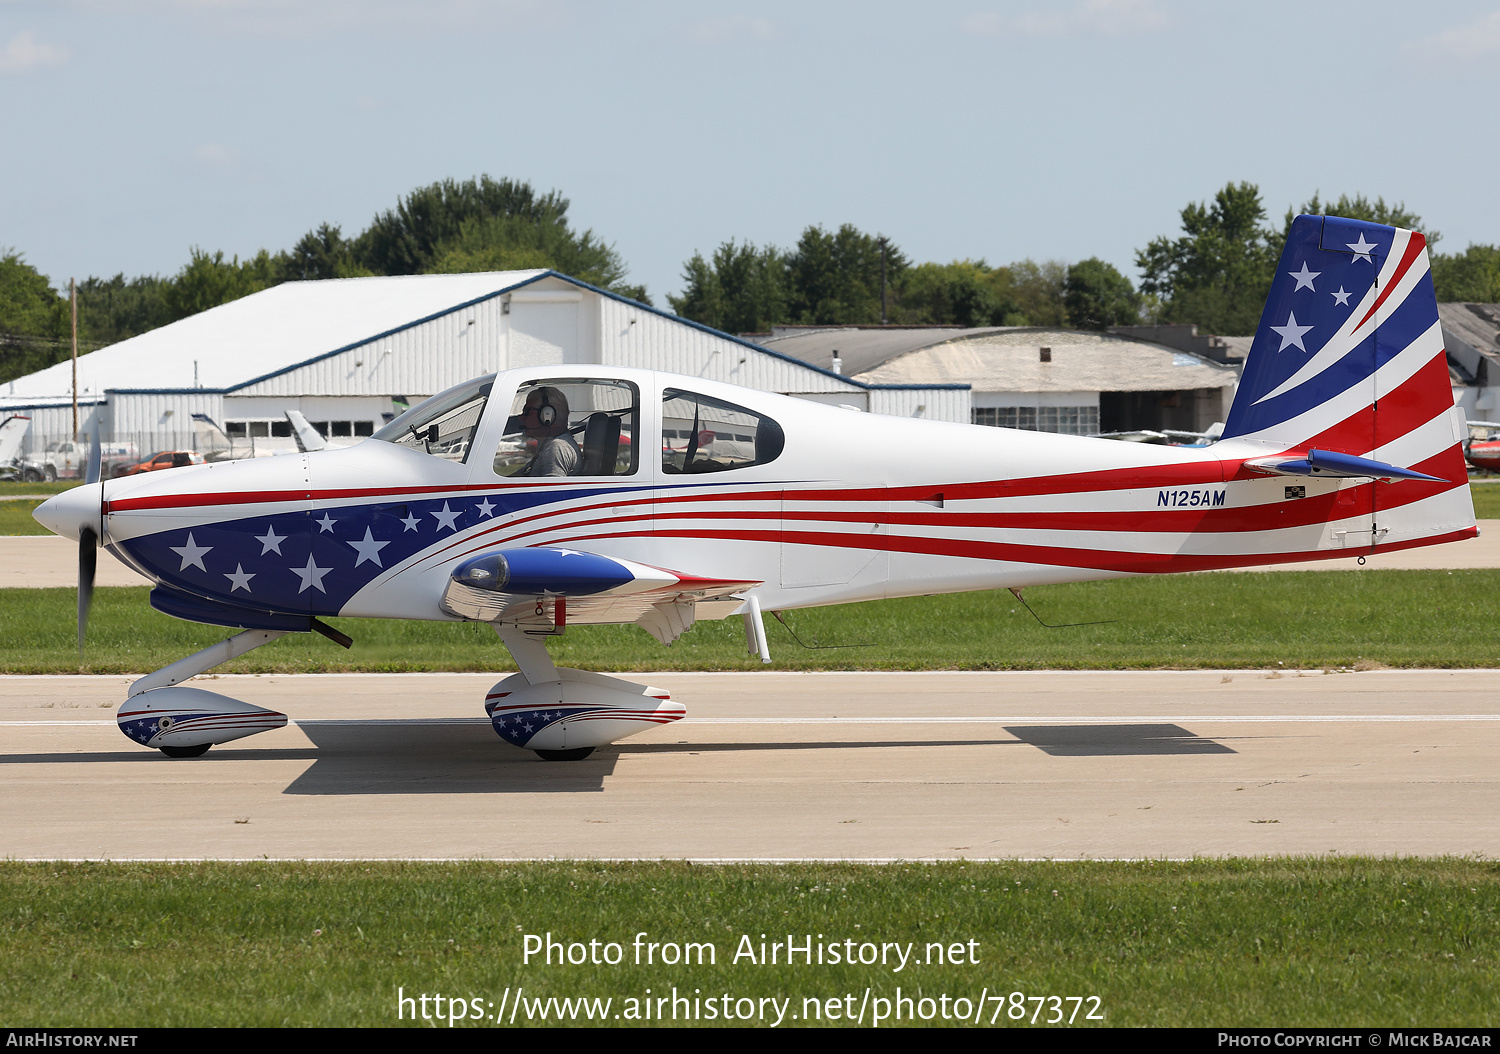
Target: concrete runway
783 766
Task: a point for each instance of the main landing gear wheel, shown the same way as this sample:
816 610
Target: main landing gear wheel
186 752
576 754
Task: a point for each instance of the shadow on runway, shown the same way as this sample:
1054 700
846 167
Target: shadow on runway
452 757
843 744
1092 741
413 757
408 758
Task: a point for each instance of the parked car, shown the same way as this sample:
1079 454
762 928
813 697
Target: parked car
166 459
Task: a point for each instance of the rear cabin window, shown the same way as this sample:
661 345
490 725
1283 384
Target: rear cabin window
703 434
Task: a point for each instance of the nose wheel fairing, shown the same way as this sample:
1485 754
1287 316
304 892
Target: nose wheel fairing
178 717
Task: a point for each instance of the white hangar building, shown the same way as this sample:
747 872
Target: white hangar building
349 353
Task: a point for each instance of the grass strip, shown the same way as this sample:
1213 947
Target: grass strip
1280 942
16 518
1295 619
12 487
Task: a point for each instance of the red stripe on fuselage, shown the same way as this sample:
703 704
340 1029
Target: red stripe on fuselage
1053 556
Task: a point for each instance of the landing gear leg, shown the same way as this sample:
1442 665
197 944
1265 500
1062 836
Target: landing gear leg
185 722
563 714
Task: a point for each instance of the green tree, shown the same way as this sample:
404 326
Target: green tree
742 291
210 280
1472 276
1096 296
1040 291
962 293
513 243
1219 271
486 224
113 309
834 278
408 238
1360 207
34 320
320 254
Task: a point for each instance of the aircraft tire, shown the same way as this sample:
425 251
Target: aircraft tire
576 754
186 752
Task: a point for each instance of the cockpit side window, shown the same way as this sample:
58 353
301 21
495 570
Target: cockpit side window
703 434
571 426
444 425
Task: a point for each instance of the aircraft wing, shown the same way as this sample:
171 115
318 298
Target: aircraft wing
547 588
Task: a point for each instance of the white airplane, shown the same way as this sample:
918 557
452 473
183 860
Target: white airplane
535 499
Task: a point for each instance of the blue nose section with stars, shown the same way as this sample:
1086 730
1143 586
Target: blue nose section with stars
310 563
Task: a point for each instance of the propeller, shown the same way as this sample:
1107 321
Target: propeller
88 544
88 562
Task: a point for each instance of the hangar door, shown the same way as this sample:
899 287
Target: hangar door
544 328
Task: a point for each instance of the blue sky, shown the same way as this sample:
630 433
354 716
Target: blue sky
137 129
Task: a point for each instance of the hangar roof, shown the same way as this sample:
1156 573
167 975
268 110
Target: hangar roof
861 348
267 332
1009 359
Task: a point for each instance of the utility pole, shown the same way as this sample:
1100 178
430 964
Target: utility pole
883 319
73 300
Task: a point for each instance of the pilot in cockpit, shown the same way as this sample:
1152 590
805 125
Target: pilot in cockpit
545 419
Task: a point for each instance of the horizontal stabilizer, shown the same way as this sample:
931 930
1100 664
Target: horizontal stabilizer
1335 465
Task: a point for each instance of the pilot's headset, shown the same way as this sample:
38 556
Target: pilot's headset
546 413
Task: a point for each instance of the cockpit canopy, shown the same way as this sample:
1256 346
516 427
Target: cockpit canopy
588 426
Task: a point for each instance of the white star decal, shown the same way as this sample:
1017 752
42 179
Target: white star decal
446 517
191 553
1291 333
486 509
326 523
311 575
240 579
1341 297
270 542
1305 277
411 521
1362 248
369 549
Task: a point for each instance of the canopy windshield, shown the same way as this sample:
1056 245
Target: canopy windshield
444 425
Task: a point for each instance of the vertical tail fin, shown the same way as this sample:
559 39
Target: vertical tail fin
1349 352
1349 359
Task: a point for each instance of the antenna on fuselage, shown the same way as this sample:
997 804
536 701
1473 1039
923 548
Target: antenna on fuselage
1066 625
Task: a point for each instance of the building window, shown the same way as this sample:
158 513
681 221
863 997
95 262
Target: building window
1066 420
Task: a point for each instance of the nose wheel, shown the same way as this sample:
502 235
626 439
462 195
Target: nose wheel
186 752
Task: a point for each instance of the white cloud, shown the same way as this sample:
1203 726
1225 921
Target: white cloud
215 155
1476 40
1107 18
25 53
303 19
731 29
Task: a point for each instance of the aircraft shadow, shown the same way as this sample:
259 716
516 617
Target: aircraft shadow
413 757
842 744
447 757
409 758
1088 741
